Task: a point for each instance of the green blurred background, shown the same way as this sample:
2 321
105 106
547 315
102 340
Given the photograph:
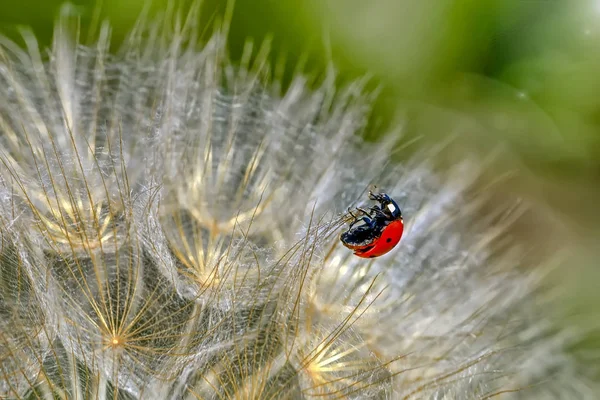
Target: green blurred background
534 63
524 74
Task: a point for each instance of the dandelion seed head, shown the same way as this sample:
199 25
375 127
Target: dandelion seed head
335 361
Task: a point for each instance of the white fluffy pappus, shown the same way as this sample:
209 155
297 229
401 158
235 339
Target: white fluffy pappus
170 228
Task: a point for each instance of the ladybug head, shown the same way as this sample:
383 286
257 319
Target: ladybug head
387 205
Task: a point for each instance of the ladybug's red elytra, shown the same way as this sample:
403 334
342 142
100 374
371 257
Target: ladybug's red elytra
380 231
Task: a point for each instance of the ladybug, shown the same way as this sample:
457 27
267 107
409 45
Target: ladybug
380 231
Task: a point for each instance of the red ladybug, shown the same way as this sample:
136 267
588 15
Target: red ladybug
380 231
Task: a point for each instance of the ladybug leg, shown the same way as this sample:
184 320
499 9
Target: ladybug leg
368 221
356 219
364 218
363 210
375 209
353 223
376 197
352 214
380 197
378 212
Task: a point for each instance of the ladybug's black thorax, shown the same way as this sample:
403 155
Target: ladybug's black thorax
364 235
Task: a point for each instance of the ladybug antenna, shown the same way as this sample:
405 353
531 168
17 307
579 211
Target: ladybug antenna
372 188
380 197
373 196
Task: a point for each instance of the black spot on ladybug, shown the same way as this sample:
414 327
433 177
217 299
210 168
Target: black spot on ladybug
389 240
372 256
